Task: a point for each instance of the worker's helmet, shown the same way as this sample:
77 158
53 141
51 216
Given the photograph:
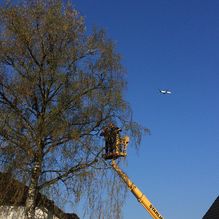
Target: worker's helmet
111 124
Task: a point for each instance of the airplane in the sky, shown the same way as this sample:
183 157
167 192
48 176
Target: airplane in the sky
165 92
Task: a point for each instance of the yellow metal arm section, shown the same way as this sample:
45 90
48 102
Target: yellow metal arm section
137 192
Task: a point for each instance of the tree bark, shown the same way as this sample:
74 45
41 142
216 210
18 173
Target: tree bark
30 204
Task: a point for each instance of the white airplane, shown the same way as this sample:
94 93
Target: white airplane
165 92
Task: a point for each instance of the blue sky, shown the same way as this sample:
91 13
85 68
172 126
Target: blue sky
175 45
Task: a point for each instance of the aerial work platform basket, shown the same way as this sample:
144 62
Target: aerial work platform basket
115 145
114 155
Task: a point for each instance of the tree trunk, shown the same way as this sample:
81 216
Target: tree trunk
30 204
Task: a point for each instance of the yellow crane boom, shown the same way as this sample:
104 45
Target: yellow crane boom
116 147
137 193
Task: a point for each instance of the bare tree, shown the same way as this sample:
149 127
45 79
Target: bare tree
59 86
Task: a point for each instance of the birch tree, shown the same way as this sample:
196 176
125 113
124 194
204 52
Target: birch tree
59 86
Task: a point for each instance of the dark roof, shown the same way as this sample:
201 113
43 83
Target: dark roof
213 211
12 192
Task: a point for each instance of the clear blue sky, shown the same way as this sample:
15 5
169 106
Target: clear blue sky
170 44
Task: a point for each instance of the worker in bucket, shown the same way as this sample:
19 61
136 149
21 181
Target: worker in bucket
112 138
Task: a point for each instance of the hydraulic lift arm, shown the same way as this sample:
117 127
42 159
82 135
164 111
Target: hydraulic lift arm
116 147
137 193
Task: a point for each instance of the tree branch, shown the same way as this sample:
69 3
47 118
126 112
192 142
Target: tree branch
66 174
